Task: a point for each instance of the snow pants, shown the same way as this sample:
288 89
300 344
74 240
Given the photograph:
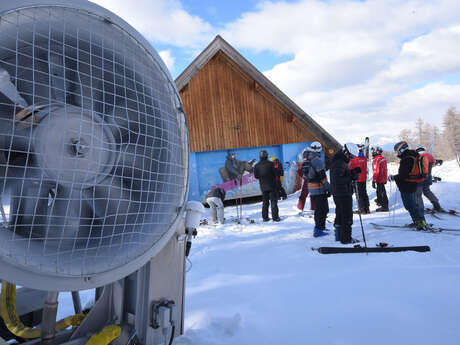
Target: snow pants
363 198
321 210
430 196
344 216
382 198
270 198
410 204
303 197
217 209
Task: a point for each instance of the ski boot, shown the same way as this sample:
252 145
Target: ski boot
421 225
319 232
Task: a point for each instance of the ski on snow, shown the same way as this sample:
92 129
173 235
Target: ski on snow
434 229
378 249
449 212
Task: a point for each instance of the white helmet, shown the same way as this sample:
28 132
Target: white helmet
351 149
315 147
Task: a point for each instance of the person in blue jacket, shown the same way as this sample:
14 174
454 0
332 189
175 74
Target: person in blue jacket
318 186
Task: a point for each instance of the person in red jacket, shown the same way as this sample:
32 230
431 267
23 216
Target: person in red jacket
425 186
379 178
363 198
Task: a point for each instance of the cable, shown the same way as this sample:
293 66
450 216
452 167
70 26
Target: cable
191 265
173 329
14 323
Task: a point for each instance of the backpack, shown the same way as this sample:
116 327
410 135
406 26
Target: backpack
305 168
420 169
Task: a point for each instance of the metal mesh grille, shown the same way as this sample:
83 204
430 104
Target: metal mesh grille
92 160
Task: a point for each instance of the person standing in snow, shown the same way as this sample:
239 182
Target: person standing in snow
425 186
379 178
265 172
302 171
215 199
318 186
342 179
363 199
407 180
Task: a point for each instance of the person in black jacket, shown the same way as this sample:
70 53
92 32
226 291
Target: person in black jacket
342 179
407 184
266 173
215 199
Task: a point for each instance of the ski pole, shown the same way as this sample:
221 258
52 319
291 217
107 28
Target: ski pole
241 199
359 212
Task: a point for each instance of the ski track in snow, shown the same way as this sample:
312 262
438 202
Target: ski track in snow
262 284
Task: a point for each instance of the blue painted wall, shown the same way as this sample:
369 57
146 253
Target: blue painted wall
204 167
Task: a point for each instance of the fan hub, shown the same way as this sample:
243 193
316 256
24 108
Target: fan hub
74 146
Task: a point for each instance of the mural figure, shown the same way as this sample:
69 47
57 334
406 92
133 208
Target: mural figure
235 168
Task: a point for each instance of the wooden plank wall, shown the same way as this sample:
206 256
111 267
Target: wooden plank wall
226 108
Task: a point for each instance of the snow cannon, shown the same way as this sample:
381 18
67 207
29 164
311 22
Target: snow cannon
93 179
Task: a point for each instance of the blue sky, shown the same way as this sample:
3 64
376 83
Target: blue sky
359 68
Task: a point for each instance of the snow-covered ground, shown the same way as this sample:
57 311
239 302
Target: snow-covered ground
262 284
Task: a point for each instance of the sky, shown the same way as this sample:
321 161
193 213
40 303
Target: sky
359 68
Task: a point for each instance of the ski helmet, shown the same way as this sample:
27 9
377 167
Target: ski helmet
420 148
400 147
263 154
350 150
315 147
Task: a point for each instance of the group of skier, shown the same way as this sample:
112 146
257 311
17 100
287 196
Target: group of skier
348 176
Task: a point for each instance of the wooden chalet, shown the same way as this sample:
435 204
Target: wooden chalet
230 104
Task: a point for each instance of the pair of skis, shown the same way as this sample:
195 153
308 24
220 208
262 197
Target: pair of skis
433 229
434 212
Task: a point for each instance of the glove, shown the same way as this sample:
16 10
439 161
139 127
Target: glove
374 185
391 177
354 176
356 170
438 162
328 194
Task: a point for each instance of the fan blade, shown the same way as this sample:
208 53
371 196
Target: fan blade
9 90
59 84
70 216
117 208
135 167
28 204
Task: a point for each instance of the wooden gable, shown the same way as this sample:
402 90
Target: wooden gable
226 108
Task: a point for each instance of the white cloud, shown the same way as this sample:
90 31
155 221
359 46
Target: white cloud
365 68
168 59
163 21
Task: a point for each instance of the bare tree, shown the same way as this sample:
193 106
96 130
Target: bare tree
451 132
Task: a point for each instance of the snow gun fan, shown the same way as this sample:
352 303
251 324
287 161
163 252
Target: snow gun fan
93 148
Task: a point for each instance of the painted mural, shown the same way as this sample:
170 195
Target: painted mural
232 170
